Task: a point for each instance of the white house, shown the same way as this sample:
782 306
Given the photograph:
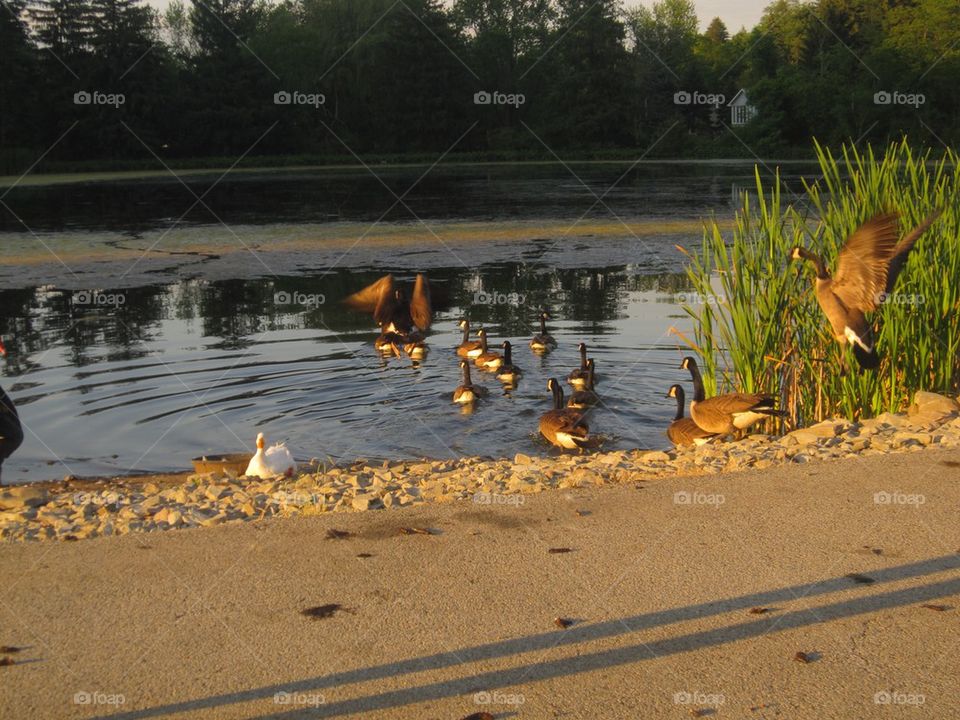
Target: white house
741 111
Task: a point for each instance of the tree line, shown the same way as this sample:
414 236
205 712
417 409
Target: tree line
114 83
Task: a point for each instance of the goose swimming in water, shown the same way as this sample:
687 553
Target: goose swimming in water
543 342
402 322
563 426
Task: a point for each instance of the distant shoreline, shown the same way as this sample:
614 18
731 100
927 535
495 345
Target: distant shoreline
194 168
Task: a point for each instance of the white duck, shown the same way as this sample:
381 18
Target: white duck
275 460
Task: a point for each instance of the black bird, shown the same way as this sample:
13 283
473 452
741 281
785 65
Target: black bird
11 432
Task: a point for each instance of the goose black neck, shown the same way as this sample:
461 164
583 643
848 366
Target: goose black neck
557 397
817 261
543 325
483 343
466 332
698 394
583 357
466 374
680 403
507 354
590 375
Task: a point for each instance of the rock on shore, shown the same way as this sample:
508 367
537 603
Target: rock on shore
124 506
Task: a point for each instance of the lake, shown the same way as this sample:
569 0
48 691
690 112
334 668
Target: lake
145 326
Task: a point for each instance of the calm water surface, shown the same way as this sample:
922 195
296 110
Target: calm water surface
191 362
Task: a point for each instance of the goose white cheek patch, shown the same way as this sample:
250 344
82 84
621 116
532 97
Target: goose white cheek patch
854 339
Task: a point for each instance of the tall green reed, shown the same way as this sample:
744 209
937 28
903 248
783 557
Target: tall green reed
757 325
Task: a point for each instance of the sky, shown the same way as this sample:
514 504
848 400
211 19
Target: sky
734 13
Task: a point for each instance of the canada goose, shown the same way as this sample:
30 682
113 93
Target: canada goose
467 392
544 342
723 414
11 431
683 430
581 399
578 378
275 460
487 360
867 268
563 427
388 343
415 349
508 372
468 348
401 321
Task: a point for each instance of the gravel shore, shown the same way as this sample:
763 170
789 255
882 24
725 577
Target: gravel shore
75 511
793 592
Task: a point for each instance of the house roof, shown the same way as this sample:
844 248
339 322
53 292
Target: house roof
740 92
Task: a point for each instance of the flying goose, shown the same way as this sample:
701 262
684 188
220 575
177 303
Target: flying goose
487 359
467 392
563 427
867 269
468 348
582 399
543 342
508 372
578 377
683 430
401 321
724 414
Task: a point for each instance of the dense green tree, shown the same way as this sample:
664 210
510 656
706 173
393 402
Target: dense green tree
589 102
400 78
18 80
716 31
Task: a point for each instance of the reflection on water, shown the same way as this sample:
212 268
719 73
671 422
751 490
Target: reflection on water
456 192
194 346
155 375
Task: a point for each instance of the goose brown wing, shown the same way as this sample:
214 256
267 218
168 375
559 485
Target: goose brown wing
736 403
373 297
861 276
904 247
420 309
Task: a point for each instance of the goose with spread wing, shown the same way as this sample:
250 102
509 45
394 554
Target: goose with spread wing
402 321
867 269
